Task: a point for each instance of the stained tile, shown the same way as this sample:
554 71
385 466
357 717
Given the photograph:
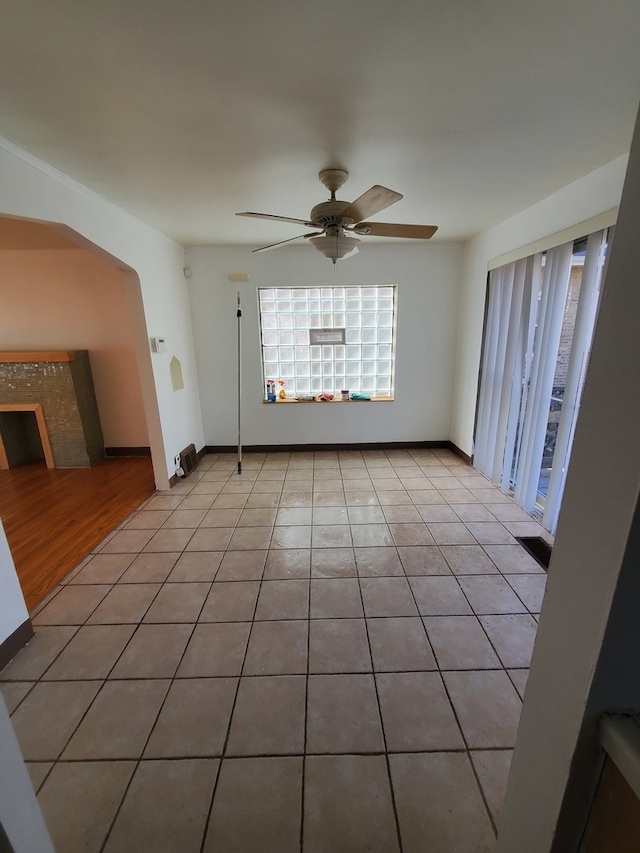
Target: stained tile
387 597
438 803
487 707
439 596
215 649
333 598
460 643
62 704
165 808
283 599
95 789
231 601
342 715
257 806
333 563
119 721
332 785
194 719
153 652
513 637
277 648
416 712
268 717
399 645
338 645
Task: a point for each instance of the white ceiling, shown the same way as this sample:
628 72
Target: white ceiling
185 112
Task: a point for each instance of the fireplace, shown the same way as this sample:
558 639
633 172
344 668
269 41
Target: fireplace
48 409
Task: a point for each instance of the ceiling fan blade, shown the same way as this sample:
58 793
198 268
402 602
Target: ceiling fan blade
277 218
299 237
390 229
370 203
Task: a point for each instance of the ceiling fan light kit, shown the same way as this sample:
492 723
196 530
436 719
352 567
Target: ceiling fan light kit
338 220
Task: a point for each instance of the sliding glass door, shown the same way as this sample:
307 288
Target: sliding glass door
541 313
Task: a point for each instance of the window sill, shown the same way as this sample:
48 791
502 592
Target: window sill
335 400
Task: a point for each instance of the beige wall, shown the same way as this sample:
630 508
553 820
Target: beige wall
71 299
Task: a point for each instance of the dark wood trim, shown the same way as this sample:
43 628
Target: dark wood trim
115 452
455 449
293 448
14 642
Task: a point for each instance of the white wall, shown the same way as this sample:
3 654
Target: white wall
158 294
595 193
60 299
20 813
13 611
427 277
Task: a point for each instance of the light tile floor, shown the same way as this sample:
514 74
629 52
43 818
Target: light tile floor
325 653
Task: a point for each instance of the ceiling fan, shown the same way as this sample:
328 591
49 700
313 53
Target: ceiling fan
336 221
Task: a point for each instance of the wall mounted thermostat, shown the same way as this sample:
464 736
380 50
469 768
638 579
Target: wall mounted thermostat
158 344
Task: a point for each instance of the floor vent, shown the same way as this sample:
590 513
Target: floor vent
538 548
188 459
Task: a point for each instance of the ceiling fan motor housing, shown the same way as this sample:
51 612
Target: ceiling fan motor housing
328 213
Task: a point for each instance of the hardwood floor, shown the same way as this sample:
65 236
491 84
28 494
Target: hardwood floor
54 517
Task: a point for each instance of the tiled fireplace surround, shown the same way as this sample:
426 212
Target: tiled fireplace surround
62 384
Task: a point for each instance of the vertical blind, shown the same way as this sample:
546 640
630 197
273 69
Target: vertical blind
525 311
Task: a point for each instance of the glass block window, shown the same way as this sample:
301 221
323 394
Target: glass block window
364 364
